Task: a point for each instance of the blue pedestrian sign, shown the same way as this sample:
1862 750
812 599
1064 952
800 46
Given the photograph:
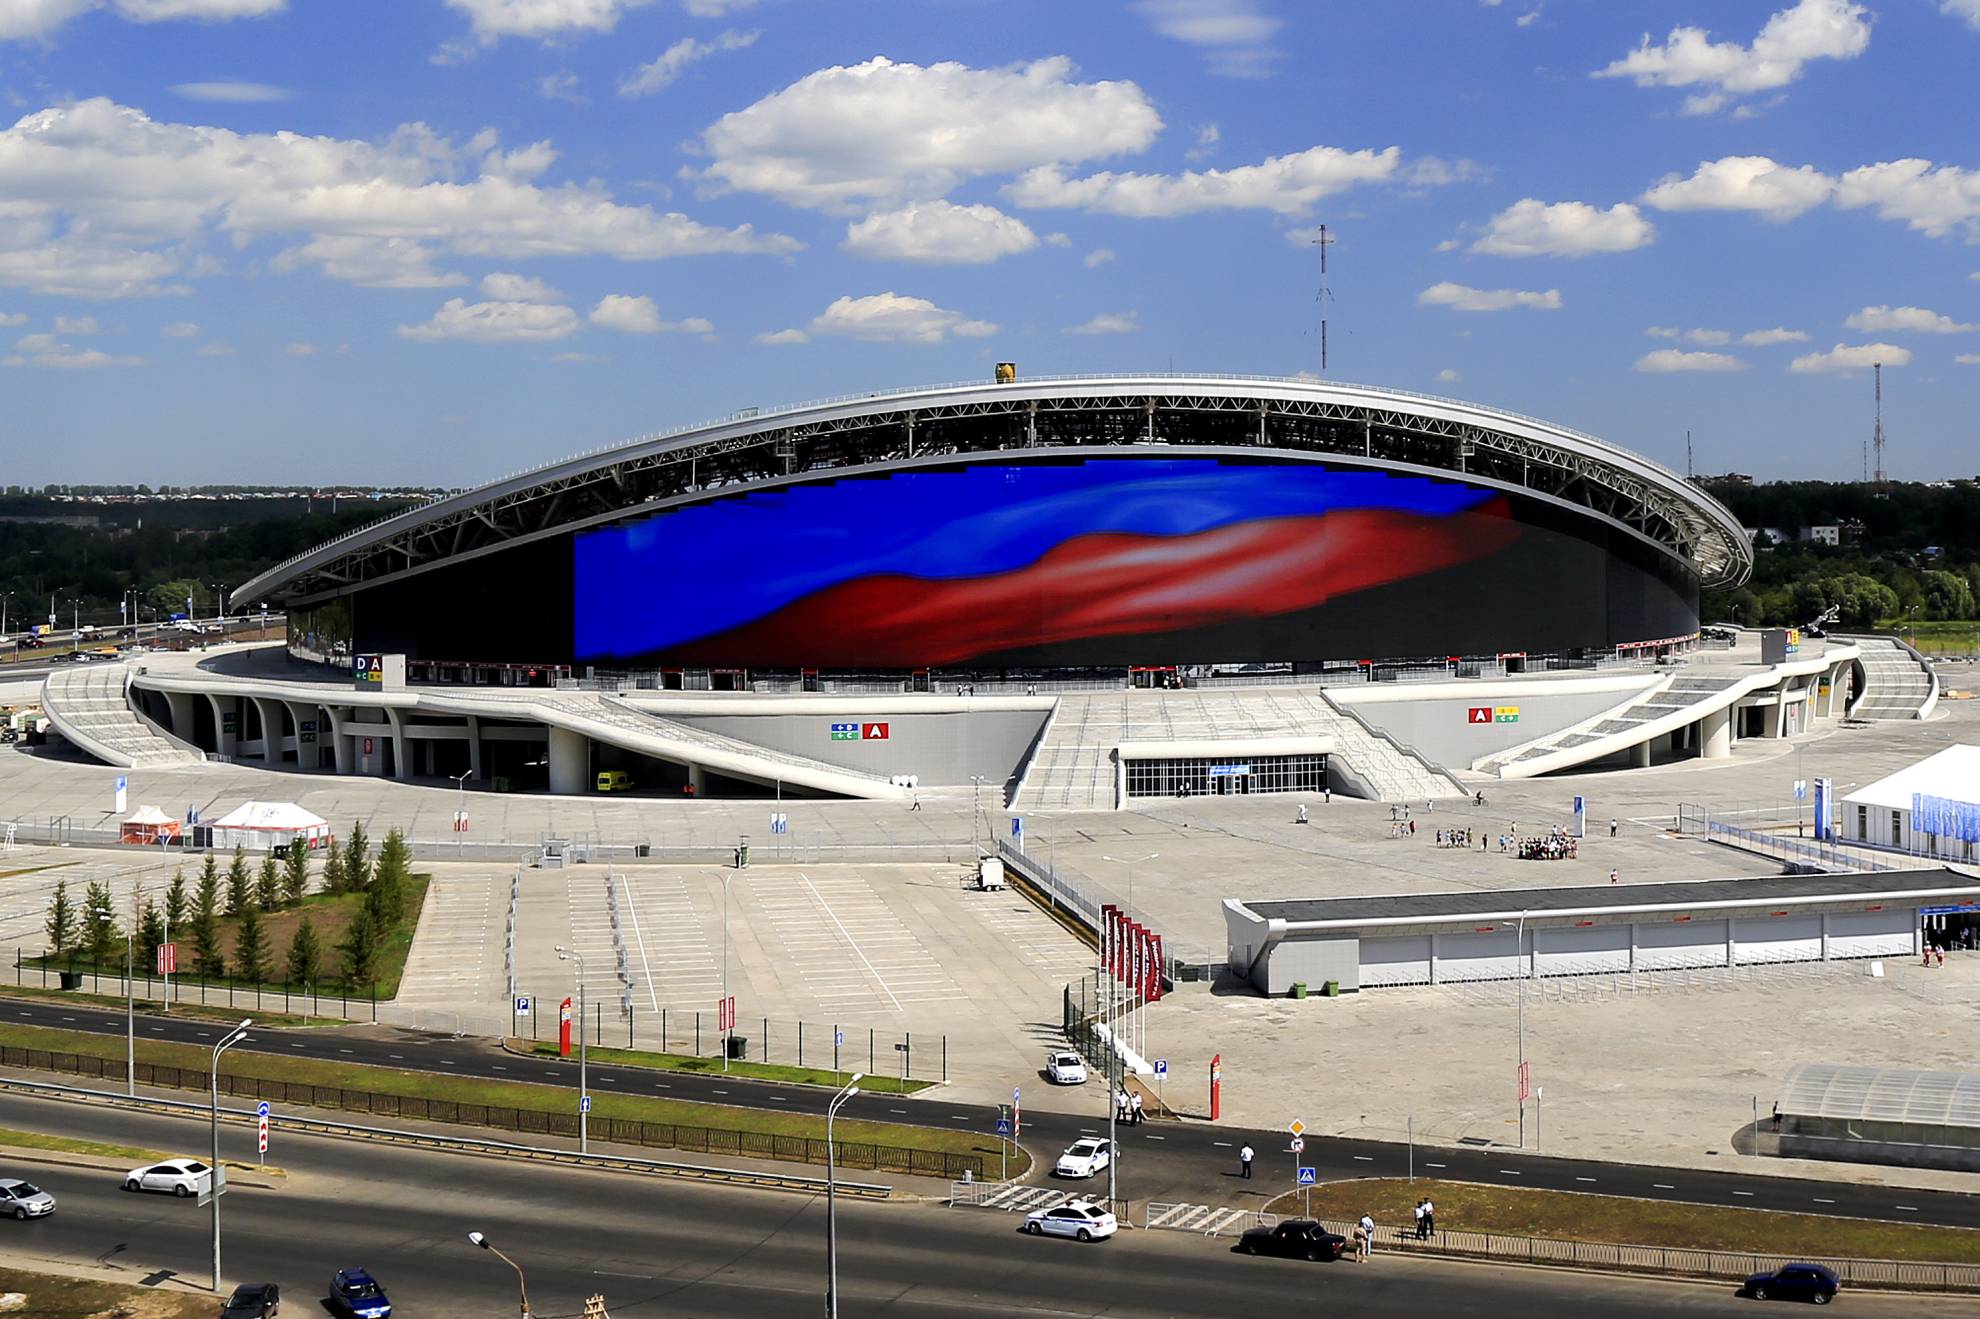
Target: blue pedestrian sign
1017 826
522 1005
261 1109
584 1103
1161 1068
1003 1126
838 1038
780 823
1309 1177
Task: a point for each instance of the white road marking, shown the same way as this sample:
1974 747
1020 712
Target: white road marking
1820 1201
850 940
1436 1165
1909 1209
1508 1172
1663 1186
1584 1179
1742 1193
645 969
1364 1158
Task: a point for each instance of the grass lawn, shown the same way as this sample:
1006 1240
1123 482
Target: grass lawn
52 1297
1947 636
687 1062
511 1094
1565 1216
192 1008
329 913
34 1140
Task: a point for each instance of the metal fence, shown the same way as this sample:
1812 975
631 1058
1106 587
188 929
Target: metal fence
1063 895
305 1000
864 1155
1663 1259
1803 851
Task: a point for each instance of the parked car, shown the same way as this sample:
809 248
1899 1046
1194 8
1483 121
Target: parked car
1075 1218
1065 1068
253 1300
1083 1158
1296 1238
357 1294
1794 1282
179 1176
25 1200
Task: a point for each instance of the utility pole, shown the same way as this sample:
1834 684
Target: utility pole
1323 242
1877 432
1687 455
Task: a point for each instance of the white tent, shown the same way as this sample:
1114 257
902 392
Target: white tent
262 825
148 824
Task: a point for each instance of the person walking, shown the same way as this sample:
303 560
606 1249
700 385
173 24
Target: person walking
1612 826
1327 796
1360 1245
1300 818
1244 1162
1419 1220
917 802
1135 1099
1367 1228
1614 874
1429 1218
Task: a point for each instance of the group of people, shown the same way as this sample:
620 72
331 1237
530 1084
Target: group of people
1557 844
1364 1229
1456 838
1127 1107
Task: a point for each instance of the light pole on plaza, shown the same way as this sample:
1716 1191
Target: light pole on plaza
215 1178
584 1093
831 1199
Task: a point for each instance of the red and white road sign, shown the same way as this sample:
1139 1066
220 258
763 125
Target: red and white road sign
168 958
261 1138
460 822
725 1013
1525 1082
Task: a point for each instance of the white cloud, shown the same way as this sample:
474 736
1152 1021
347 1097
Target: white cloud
1665 360
542 19
1966 9
627 314
180 330
1529 18
233 92
495 322
1109 322
1459 297
1968 359
300 350
21 19
1100 256
1768 338
779 338
216 350
1932 200
894 318
1207 138
715 8
886 133
1916 320
1234 36
560 86
1534 228
46 350
660 74
1744 183
1807 30
1447 376
13 318
940 233
1287 185
1850 357
504 287
103 201
75 325
575 357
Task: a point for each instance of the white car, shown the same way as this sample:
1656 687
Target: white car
1076 1218
1083 1158
179 1176
25 1200
1065 1069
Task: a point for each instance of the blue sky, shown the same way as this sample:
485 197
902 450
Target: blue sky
437 240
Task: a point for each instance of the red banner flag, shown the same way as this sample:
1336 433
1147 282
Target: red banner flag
564 1029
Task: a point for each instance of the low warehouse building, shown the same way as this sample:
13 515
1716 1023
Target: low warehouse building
1893 1115
1931 808
1441 938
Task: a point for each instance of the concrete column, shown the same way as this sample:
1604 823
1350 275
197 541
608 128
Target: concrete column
401 745
1715 734
570 762
1639 755
1825 936
183 724
1632 947
474 747
270 712
697 778
1434 942
1732 941
226 741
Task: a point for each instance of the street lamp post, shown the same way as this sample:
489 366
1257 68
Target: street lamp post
728 1017
215 1178
584 1092
103 912
975 815
831 1200
522 1284
1519 949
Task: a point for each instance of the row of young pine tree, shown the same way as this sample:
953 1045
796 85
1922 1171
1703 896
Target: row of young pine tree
90 929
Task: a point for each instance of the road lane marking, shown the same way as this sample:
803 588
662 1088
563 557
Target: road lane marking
1364 1158
1221 1144
1436 1165
1510 1172
1663 1186
1742 1193
1153 1137
339 1051
607 1273
498 1067
1584 1179
1909 1209
645 967
400 1056
897 1110
1820 1201
779 1099
720 1092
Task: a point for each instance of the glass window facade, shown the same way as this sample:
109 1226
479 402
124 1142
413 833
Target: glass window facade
1200 776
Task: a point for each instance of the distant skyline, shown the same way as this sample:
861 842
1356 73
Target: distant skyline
429 242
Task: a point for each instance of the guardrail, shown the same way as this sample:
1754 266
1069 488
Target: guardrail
865 1155
1664 1259
469 1144
1828 856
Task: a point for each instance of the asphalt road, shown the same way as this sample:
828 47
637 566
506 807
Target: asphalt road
655 1247
1191 1161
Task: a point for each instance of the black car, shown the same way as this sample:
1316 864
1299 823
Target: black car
1296 1238
1794 1282
253 1300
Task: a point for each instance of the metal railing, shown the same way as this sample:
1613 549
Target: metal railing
1825 855
696 1033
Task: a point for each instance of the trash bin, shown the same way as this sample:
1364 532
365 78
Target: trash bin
72 980
1332 989
739 1047
642 849
1299 989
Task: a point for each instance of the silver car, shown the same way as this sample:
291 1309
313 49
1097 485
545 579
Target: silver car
25 1200
181 1177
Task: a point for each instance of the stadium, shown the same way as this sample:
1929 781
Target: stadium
1323 584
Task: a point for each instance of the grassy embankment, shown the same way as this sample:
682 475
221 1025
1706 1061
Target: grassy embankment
747 1071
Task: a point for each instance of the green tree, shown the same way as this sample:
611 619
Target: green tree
357 860
207 957
151 933
100 931
305 955
268 884
295 873
334 878
177 901
251 947
240 884
359 950
1946 595
385 897
61 918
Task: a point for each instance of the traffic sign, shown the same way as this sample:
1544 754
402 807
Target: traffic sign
168 958
522 1005
1014 1094
1309 1177
1003 1126
261 1110
838 1038
584 1103
1299 1144
261 1137
1161 1068
1297 1128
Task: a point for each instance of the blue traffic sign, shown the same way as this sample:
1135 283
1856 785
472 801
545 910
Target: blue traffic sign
522 1005
1161 1067
261 1109
1003 1126
838 1038
584 1103
1309 1177
1017 826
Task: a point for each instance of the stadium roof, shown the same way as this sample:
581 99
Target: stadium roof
1042 417
1881 1094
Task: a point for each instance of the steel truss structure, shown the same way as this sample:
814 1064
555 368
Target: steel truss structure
1345 425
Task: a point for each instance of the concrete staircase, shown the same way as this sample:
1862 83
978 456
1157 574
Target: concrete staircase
88 706
1670 698
1896 686
1073 768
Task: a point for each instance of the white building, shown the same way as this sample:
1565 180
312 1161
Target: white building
1930 809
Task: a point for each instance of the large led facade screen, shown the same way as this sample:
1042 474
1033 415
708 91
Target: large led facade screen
1103 562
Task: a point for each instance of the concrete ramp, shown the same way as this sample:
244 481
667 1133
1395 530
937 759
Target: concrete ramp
1897 684
89 706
